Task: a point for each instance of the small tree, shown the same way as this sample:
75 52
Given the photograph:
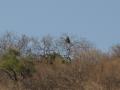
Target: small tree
65 44
116 51
47 45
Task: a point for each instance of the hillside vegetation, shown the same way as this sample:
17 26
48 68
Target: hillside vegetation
65 63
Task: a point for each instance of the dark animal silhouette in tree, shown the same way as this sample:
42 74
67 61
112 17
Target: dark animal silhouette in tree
68 47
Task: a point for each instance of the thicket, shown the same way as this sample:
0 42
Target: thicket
65 63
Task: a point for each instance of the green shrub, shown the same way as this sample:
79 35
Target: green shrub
14 66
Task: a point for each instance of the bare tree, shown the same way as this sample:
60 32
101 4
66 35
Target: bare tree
8 40
23 44
47 45
65 45
115 51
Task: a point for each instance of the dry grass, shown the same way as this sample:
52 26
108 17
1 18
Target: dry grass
78 75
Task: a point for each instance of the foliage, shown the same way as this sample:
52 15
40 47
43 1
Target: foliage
56 64
15 67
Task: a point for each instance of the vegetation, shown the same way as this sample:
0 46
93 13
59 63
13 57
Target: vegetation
28 63
14 66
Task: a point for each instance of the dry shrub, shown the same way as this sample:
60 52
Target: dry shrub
77 75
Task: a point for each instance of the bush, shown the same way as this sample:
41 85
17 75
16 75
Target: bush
15 68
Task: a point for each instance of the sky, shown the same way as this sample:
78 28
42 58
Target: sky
96 20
